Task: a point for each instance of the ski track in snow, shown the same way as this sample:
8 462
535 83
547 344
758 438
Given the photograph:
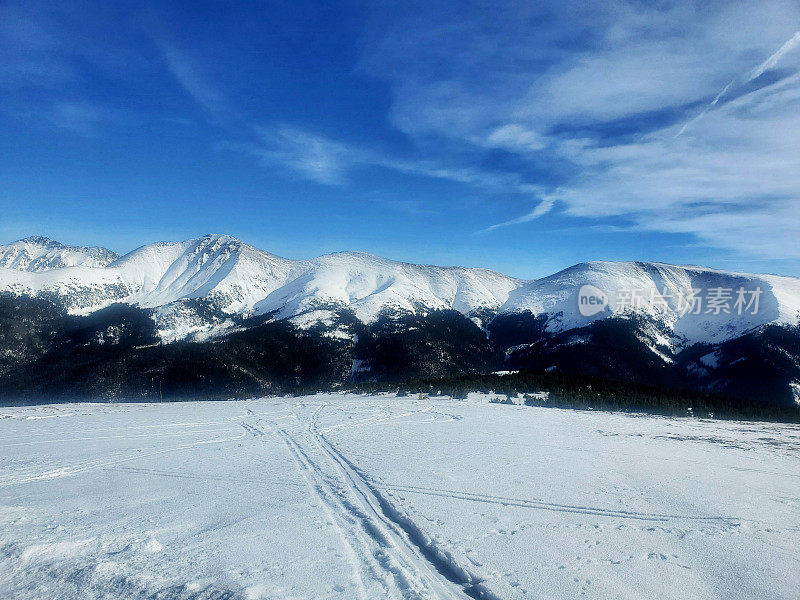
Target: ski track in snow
337 496
390 558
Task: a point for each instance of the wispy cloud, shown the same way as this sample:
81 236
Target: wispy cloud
515 137
544 207
702 113
324 160
312 156
598 97
771 62
189 75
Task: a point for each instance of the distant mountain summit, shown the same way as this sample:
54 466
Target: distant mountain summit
690 304
36 254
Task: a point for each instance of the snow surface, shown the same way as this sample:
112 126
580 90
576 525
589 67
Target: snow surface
344 496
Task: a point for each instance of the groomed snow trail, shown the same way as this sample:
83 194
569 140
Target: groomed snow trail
391 556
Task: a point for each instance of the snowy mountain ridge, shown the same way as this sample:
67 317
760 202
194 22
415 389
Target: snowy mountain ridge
352 316
693 304
239 279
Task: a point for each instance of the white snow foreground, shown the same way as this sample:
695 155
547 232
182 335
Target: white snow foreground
343 496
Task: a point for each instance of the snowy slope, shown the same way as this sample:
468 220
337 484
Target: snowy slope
369 284
37 254
660 292
215 266
343 497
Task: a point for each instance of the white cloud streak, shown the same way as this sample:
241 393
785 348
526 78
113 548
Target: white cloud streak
706 109
188 75
754 74
321 159
773 60
313 156
544 207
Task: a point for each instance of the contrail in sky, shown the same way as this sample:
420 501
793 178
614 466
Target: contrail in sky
773 60
707 108
755 73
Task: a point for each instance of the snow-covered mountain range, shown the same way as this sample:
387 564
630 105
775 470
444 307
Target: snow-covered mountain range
236 278
691 304
648 322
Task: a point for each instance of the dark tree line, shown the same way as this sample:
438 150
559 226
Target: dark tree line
591 393
116 354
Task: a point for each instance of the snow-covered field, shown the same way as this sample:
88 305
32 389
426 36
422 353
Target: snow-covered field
336 496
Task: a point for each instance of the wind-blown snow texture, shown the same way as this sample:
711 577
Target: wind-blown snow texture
341 496
240 279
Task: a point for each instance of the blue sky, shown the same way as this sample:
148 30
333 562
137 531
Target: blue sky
523 137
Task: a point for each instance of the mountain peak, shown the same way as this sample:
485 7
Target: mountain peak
39 240
219 237
38 253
